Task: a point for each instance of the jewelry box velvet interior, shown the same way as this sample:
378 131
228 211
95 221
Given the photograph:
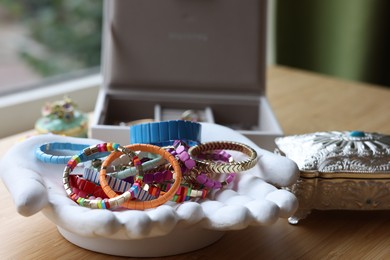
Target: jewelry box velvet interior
164 58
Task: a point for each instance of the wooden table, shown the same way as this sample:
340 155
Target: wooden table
303 102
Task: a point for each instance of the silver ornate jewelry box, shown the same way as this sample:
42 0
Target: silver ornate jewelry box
339 170
163 58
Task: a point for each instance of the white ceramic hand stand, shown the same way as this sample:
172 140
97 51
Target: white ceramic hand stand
166 230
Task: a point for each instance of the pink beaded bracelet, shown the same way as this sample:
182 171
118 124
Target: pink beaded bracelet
213 184
180 151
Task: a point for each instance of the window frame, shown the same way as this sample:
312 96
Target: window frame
20 110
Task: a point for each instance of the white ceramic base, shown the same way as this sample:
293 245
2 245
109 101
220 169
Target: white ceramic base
251 200
179 241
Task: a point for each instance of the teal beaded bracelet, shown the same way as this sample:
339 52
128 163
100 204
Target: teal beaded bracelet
41 152
156 161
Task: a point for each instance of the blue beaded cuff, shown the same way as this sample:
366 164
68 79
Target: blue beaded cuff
42 152
166 132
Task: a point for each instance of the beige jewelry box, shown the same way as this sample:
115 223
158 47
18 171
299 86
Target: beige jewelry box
162 58
347 170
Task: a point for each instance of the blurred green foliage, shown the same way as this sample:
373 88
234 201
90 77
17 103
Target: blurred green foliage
65 34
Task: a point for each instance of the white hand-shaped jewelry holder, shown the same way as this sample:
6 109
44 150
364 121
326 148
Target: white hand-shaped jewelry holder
166 230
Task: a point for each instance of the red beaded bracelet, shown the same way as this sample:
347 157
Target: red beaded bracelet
86 189
99 203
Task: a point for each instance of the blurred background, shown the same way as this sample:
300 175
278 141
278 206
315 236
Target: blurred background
348 39
47 40
42 41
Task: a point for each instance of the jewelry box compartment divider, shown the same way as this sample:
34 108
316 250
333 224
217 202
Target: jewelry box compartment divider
250 116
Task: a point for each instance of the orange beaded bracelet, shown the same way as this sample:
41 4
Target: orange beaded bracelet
141 205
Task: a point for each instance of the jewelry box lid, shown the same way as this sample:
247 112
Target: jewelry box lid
186 46
335 154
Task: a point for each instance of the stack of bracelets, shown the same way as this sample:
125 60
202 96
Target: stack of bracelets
144 175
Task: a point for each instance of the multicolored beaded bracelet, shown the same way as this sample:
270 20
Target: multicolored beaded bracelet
41 152
124 200
223 167
116 184
185 192
99 203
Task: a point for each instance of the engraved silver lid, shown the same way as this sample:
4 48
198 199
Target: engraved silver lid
350 154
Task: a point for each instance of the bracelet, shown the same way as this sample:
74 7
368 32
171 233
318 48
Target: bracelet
124 199
166 132
88 153
203 180
116 184
191 115
41 152
185 193
158 177
136 122
223 167
213 184
197 178
180 151
132 171
86 189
